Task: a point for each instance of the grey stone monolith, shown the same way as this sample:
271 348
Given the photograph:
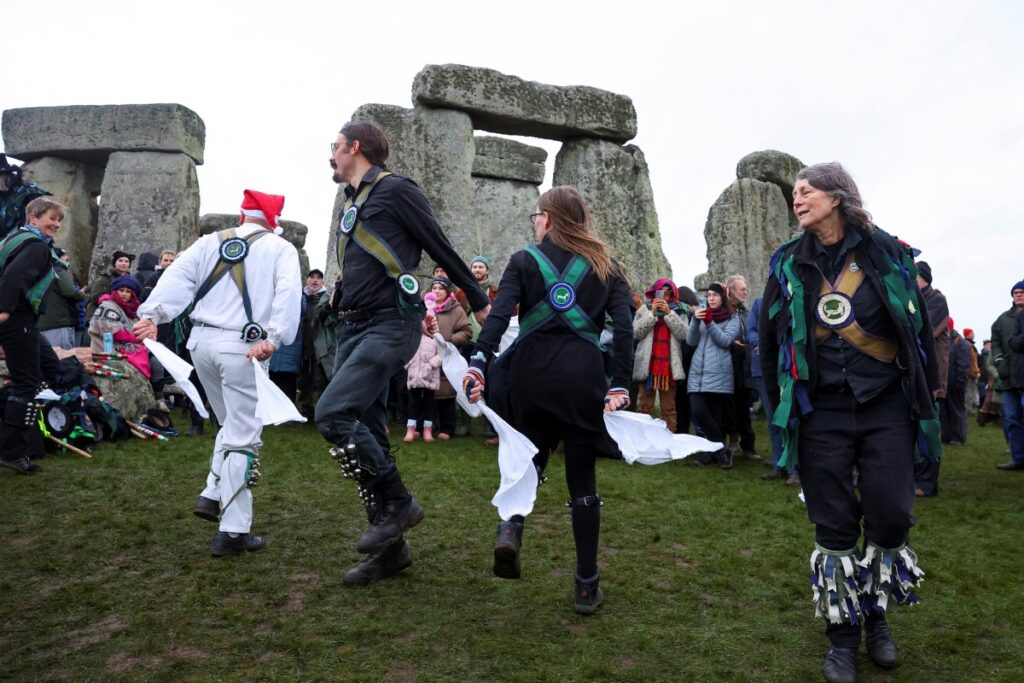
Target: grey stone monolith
511 105
616 183
744 227
773 166
92 133
508 160
501 221
76 185
149 201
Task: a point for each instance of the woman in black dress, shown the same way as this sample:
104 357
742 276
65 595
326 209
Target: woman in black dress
552 382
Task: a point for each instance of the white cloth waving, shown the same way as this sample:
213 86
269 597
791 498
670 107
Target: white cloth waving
180 370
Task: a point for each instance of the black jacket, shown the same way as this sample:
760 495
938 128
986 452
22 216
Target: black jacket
1017 346
874 254
26 266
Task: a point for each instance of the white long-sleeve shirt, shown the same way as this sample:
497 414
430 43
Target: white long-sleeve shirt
272 278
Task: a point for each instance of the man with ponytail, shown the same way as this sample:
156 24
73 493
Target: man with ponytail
556 389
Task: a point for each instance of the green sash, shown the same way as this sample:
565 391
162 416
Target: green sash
561 299
37 291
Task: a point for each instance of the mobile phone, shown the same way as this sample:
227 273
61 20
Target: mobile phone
660 294
702 303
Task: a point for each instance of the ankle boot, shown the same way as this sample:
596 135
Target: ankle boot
841 665
399 512
377 566
428 433
588 594
506 550
881 647
410 434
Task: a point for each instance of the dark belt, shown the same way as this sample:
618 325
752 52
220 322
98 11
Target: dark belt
362 315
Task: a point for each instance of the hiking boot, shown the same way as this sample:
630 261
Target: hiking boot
223 544
751 455
588 595
397 517
881 647
793 480
377 566
506 550
725 458
22 465
841 665
207 508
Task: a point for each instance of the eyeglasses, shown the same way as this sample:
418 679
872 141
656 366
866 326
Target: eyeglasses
335 146
533 216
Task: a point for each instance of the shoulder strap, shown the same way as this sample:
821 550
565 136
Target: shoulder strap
222 267
12 242
351 227
561 287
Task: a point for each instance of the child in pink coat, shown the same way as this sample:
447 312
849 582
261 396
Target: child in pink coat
424 370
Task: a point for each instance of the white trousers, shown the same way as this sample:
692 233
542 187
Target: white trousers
230 383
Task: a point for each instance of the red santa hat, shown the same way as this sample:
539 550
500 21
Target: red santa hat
266 206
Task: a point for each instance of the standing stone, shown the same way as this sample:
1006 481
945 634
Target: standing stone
92 133
75 185
435 148
149 201
293 231
616 184
509 160
507 104
501 223
745 226
778 168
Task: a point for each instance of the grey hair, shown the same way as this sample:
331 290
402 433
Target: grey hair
835 181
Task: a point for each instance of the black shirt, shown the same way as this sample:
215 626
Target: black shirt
25 267
839 363
399 213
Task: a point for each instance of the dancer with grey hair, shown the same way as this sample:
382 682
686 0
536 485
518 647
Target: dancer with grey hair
847 352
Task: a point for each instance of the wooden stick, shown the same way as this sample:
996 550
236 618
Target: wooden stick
139 434
147 431
73 449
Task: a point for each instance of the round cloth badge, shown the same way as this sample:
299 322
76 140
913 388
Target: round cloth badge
408 283
854 267
252 332
834 310
234 250
348 219
562 296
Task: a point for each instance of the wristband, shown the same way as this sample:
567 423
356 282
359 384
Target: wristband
617 392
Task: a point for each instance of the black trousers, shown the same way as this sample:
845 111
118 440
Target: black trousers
737 416
876 438
953 415
708 411
445 416
30 361
422 406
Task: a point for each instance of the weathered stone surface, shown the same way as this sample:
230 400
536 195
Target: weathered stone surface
75 185
149 201
616 184
744 227
294 232
508 160
435 148
773 166
507 104
500 225
92 133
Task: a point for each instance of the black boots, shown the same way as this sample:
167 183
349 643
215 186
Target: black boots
588 594
841 665
224 544
21 464
398 516
207 508
881 647
377 566
506 550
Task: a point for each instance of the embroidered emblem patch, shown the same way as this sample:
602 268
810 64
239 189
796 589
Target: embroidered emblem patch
348 219
834 310
252 332
562 296
234 250
408 283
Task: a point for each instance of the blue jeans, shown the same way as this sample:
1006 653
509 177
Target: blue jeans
774 433
1013 422
353 407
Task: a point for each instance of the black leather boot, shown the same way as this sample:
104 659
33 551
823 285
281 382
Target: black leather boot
881 647
207 508
588 594
841 665
397 516
377 566
506 550
224 544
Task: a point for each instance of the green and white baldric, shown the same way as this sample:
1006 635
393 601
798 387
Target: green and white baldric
561 300
8 246
369 241
233 250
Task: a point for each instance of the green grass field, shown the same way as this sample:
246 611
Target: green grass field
106 575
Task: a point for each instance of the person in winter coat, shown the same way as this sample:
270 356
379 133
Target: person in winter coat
712 331
424 378
658 327
59 318
1008 381
148 267
453 324
121 264
286 363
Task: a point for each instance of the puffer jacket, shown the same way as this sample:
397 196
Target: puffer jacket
643 333
424 368
711 368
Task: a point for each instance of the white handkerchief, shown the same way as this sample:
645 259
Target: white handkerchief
180 371
643 439
272 406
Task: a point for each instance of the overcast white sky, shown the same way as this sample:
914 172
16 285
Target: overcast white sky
922 101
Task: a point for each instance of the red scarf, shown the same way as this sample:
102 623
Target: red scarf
718 315
660 377
130 308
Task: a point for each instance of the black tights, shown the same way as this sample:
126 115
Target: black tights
580 476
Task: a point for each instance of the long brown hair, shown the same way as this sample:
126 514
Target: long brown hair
572 228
